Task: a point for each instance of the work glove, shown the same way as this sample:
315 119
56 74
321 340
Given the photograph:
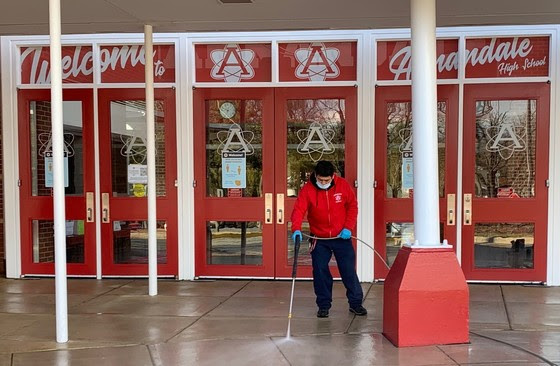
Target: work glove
296 234
345 234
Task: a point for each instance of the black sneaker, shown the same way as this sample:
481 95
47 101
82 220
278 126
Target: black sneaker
358 310
323 313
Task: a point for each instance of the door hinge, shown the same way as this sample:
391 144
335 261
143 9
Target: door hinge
547 183
19 182
176 183
194 183
356 184
374 184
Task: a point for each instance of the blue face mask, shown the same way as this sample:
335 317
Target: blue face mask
323 186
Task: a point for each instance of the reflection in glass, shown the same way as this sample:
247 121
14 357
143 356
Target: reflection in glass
41 148
316 131
234 242
399 148
43 241
240 132
130 242
398 234
129 148
505 148
504 245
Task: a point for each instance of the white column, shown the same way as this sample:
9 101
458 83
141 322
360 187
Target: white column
151 150
424 126
58 174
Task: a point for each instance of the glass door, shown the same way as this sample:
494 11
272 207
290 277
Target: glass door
123 181
36 181
505 173
312 124
254 149
394 189
234 182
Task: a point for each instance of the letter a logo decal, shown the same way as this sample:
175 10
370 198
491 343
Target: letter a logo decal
317 62
232 64
507 140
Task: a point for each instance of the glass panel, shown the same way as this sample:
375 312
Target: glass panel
234 126
398 234
505 148
316 131
129 148
41 148
234 242
43 241
130 242
399 149
504 245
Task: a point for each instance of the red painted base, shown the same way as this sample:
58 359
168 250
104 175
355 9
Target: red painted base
425 299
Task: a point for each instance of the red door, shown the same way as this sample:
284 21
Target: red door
123 181
312 124
505 173
393 170
253 150
35 162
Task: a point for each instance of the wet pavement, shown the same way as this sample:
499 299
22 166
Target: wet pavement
243 322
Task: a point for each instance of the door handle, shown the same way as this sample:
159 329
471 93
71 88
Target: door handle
89 207
268 208
280 208
467 209
105 211
451 209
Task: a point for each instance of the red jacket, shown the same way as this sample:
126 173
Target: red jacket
328 211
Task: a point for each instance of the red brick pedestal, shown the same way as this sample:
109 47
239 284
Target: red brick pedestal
425 299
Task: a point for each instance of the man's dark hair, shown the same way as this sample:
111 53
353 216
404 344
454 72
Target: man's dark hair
324 168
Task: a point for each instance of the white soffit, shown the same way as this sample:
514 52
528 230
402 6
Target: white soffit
103 16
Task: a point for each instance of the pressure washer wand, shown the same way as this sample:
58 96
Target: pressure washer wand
294 272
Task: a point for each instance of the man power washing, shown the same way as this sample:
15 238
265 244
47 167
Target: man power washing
332 211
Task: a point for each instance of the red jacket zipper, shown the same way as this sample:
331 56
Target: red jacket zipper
329 211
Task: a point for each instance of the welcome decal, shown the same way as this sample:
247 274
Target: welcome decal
118 64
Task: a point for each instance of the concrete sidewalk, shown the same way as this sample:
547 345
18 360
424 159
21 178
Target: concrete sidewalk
115 322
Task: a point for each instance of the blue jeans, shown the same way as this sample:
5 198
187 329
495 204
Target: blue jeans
322 278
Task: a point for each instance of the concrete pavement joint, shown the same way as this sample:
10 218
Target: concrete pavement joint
519 348
445 353
354 317
279 350
203 315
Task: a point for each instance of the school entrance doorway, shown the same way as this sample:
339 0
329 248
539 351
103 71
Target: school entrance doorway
254 149
121 144
504 177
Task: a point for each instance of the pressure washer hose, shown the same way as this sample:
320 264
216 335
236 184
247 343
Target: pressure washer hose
360 240
294 270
